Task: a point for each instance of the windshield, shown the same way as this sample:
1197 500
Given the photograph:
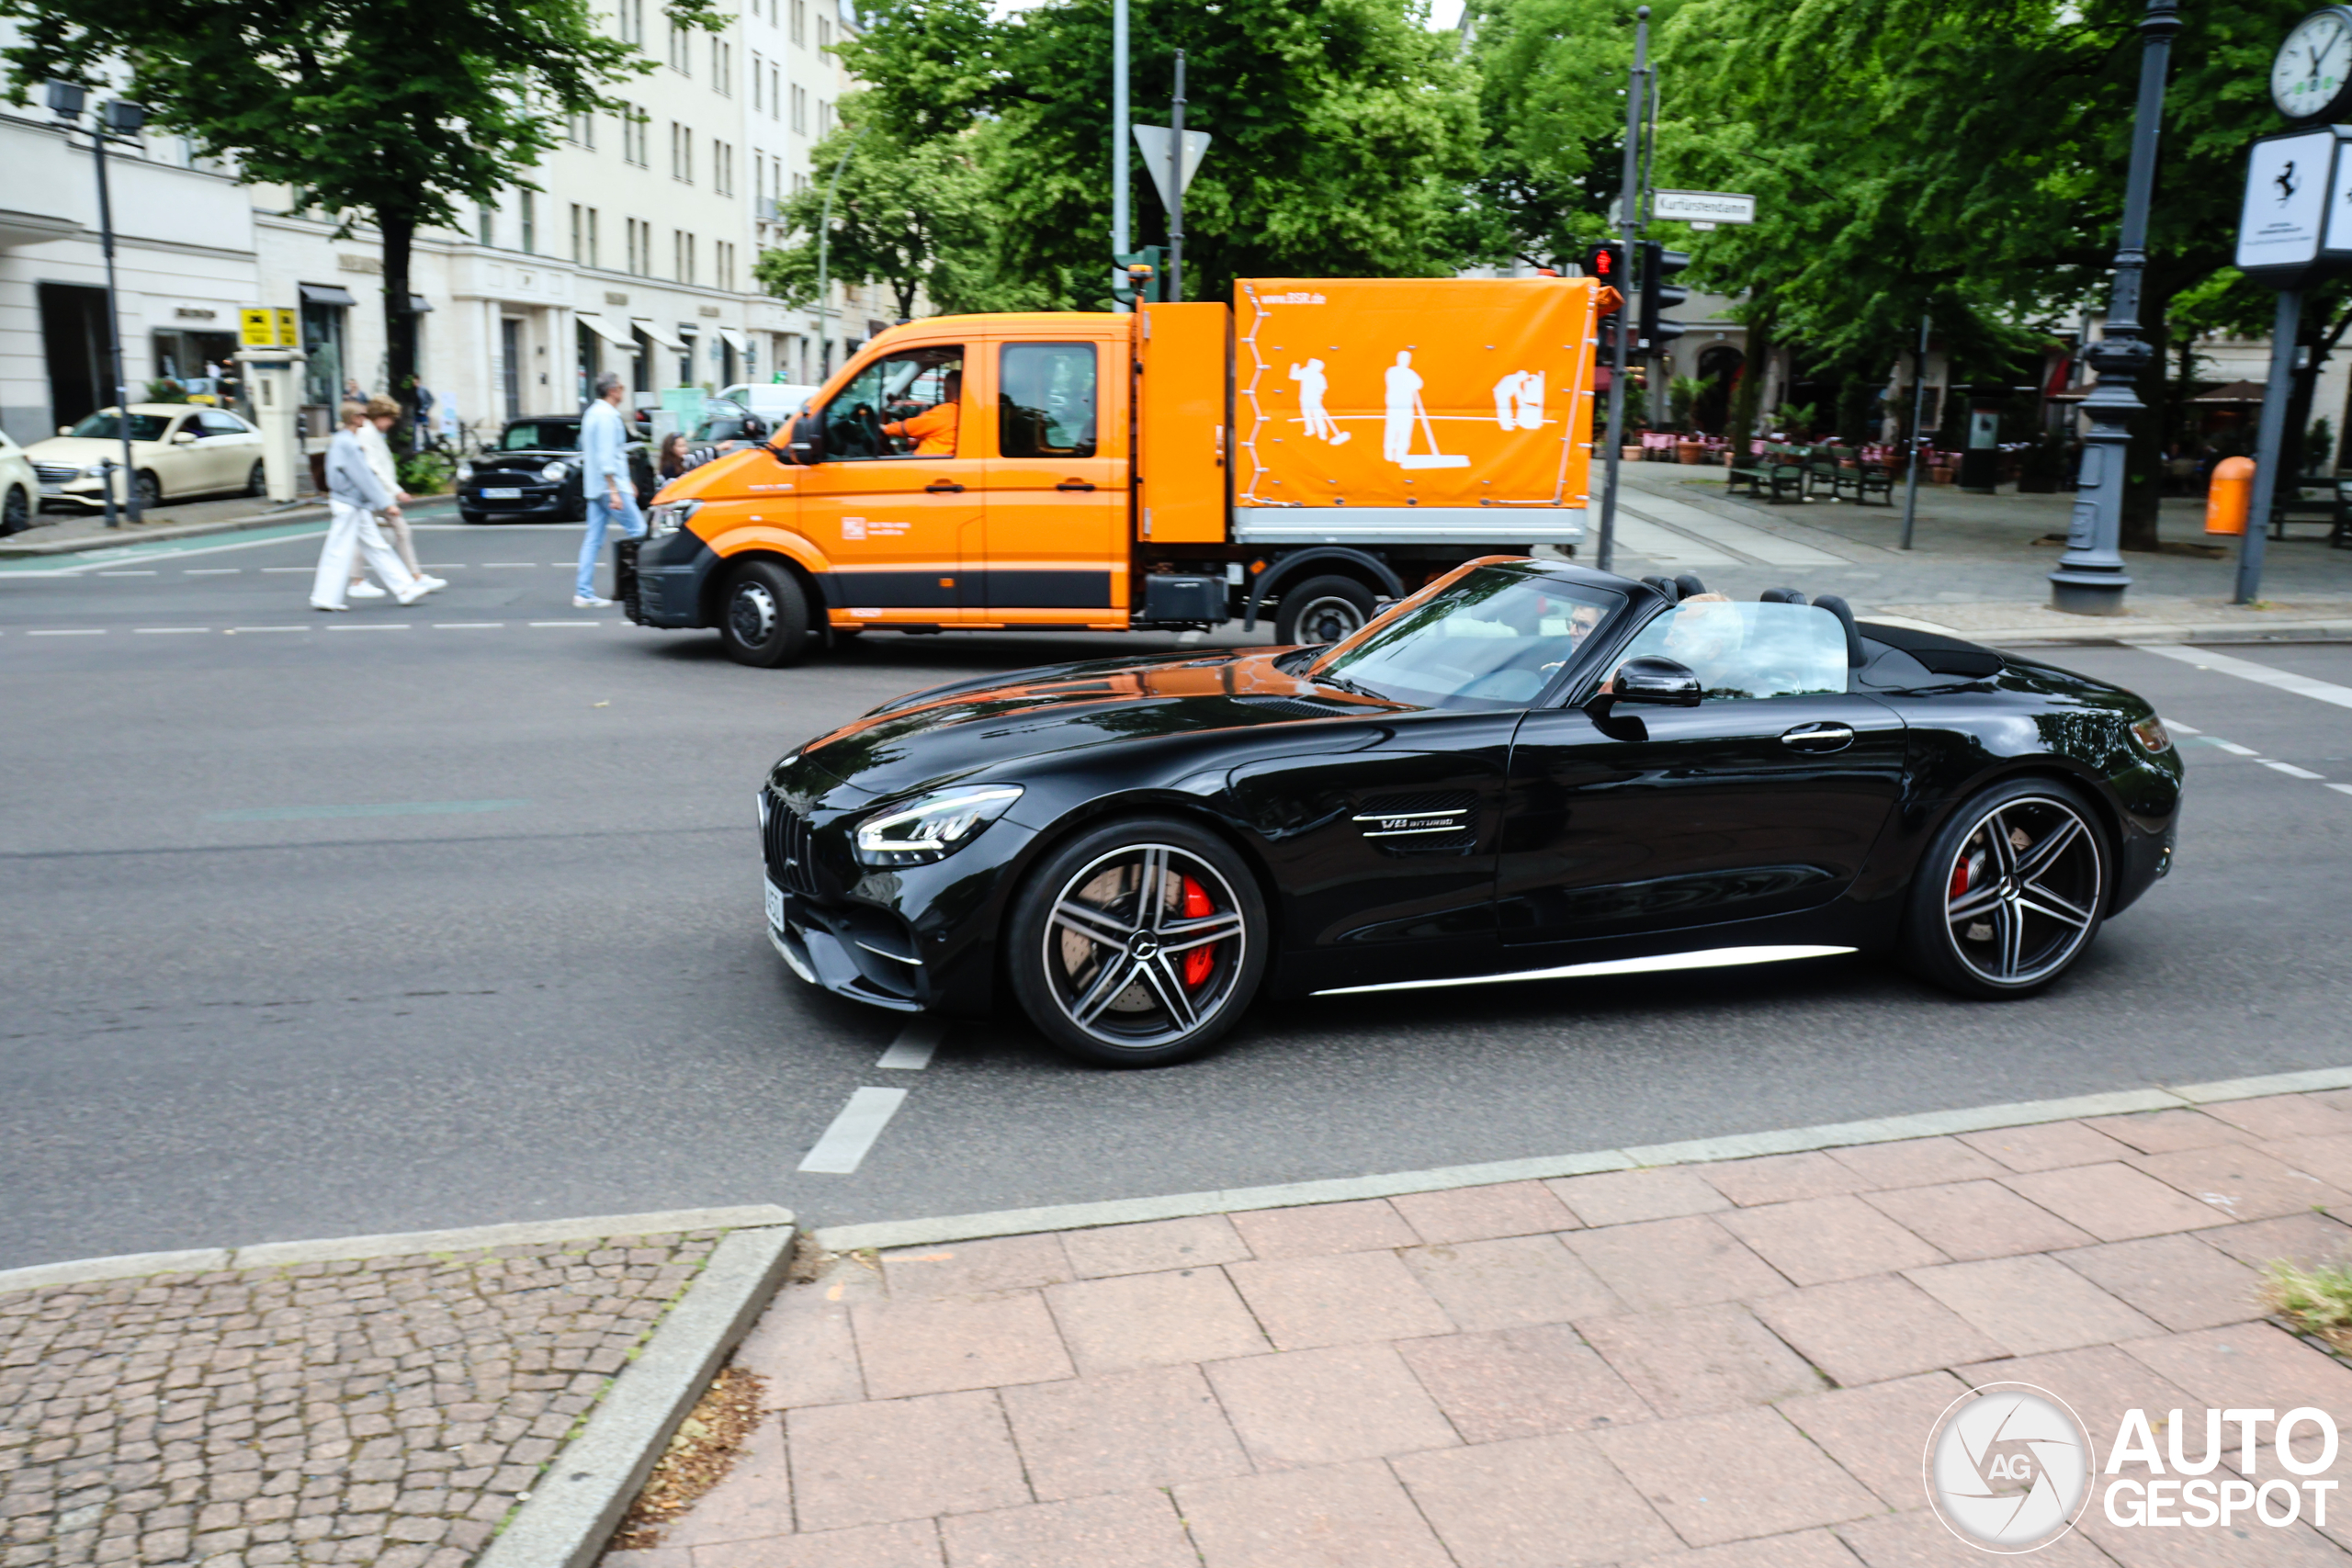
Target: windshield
1493 638
1744 651
107 425
541 435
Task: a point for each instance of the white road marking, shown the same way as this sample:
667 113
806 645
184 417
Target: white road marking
382 627
2248 669
526 565
846 1143
234 630
309 569
571 622
465 626
2184 728
2341 789
911 1052
1769 548
166 631
2293 771
126 574
210 570
75 631
2232 747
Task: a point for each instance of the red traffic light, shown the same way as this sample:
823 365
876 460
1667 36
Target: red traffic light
1606 264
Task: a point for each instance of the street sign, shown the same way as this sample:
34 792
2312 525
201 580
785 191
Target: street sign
1702 206
259 327
1153 142
2286 213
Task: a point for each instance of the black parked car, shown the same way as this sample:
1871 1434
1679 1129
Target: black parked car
532 472
1526 770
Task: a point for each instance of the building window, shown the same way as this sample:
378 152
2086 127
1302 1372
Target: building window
632 135
682 152
579 236
800 21
530 223
824 33
682 59
722 66
685 254
726 153
824 118
482 231
776 95
799 109
640 247
633 22
722 258
759 82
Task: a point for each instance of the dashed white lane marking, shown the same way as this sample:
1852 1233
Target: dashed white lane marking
381 627
846 1143
465 626
210 570
570 623
2232 747
166 631
126 574
911 1051
2184 728
68 631
526 565
2293 771
300 569
235 630
2248 669
2341 789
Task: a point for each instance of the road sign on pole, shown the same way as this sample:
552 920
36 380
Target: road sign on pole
1702 206
1152 140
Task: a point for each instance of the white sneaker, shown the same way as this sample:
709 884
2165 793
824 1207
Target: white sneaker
334 608
412 596
363 590
432 584
590 601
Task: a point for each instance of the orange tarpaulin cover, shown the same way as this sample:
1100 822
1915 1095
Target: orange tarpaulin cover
1453 393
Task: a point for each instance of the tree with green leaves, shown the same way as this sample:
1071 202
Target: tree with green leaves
908 214
1344 131
1964 157
387 108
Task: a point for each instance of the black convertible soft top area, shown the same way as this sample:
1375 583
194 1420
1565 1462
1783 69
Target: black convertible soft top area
1935 652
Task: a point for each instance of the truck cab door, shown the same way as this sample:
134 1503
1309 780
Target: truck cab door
900 488
1055 534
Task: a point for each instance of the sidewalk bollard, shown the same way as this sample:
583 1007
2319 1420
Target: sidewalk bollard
2228 495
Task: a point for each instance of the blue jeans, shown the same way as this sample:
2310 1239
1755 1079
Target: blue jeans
601 514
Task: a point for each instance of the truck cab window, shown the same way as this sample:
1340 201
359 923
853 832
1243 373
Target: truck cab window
1045 400
903 405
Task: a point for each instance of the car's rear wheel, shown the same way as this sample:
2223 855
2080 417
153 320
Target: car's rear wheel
2010 893
16 512
763 616
257 479
1323 610
151 490
1138 944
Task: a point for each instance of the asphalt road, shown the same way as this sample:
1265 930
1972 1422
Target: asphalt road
316 928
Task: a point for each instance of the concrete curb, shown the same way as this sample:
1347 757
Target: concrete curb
280 1254
570 1515
17 548
1699 1151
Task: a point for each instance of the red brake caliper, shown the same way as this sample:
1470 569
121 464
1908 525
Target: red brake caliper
1199 960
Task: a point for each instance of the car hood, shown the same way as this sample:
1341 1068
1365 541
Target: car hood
950 732
82 450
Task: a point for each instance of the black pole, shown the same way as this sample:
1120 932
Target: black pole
2267 443
1918 412
1627 217
2090 579
1176 184
114 328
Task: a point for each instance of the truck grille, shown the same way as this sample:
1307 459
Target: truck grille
789 847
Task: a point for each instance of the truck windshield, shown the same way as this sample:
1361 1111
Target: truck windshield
1492 638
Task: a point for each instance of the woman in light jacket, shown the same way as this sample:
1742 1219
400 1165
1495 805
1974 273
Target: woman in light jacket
383 415
354 497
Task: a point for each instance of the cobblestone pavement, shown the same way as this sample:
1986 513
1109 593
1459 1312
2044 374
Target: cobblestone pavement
386 1411
1727 1365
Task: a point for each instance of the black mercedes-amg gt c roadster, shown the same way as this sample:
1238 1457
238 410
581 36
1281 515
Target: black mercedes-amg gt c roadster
1526 770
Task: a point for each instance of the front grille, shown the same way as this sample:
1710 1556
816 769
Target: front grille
788 847
55 473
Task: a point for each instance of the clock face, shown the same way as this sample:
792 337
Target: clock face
2308 77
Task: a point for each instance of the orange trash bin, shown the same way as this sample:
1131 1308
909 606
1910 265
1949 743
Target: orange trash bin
2229 496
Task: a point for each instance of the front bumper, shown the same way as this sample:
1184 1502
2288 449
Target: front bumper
659 581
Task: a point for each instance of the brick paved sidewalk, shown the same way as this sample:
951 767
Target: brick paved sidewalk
1731 1364
388 1411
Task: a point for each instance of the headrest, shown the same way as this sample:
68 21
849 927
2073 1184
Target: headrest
1689 585
1845 613
1666 586
1782 596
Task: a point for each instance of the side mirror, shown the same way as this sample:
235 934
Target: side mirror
807 443
755 429
185 438
1659 680
64 430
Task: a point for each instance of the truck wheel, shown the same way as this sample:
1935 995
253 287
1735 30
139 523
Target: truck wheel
1323 610
763 616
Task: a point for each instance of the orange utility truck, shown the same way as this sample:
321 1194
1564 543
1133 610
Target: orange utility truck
1315 447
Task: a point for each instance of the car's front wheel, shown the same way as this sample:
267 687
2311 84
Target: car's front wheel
1138 944
17 512
763 616
151 490
2011 892
257 479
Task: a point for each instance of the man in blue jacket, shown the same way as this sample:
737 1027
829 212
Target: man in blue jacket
605 481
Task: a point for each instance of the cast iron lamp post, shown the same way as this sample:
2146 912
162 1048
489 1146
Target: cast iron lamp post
2090 579
125 121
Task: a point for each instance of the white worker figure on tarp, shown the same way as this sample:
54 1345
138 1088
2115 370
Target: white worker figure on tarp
1402 411
1312 384
1519 400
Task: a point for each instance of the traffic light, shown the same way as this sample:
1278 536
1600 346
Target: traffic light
1607 264
1659 295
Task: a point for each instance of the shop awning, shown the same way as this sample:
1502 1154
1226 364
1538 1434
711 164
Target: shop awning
325 294
659 333
734 340
2230 392
610 330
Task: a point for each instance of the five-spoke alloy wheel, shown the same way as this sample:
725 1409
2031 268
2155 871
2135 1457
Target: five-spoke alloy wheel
2012 891
1138 944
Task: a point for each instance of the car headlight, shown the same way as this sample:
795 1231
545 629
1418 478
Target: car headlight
465 469
95 471
933 827
553 473
669 517
2152 736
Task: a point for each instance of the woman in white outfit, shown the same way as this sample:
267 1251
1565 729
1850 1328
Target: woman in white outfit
383 415
354 497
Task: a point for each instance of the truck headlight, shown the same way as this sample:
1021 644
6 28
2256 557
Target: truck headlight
553 473
933 827
669 517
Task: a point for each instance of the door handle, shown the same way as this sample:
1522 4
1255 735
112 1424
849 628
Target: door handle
1074 484
1818 737
944 487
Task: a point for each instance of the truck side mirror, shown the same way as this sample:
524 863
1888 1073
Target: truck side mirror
807 443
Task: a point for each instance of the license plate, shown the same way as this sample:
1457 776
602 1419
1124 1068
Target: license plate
775 907
501 495
52 488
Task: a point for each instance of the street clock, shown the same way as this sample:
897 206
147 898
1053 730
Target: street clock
2311 77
